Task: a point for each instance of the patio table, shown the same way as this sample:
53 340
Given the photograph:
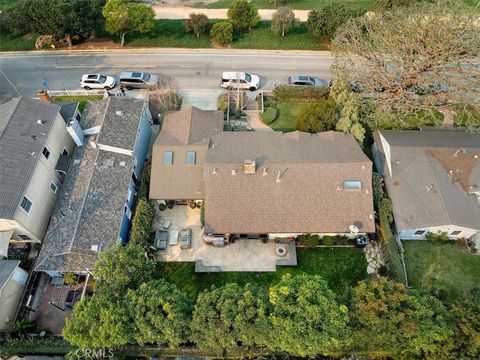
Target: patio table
166 223
173 237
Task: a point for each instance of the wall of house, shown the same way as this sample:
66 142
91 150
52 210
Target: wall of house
142 143
287 235
410 233
10 296
38 191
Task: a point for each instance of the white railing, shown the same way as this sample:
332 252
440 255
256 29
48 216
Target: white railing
78 92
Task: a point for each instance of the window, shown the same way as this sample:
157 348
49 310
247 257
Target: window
168 158
455 233
419 232
78 116
46 152
191 158
24 237
352 185
26 205
54 186
65 152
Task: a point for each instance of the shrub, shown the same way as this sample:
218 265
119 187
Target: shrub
328 240
197 24
438 238
142 222
222 33
381 5
296 93
314 118
222 101
324 22
283 20
243 15
269 115
280 2
386 209
377 189
162 206
308 240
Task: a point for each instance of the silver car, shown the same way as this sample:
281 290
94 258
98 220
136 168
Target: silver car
138 80
305 80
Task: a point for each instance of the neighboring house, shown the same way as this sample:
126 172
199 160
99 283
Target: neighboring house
179 153
95 204
12 283
34 146
433 180
264 184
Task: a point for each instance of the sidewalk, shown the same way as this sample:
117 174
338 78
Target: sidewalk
183 12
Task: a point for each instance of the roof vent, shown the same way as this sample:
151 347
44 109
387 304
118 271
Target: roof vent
264 171
119 112
278 177
123 163
109 162
234 172
214 172
249 166
41 122
475 156
34 137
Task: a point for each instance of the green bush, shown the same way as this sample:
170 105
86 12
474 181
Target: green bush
308 240
328 240
243 15
317 117
222 101
324 22
269 115
162 206
222 33
438 238
142 223
297 93
197 24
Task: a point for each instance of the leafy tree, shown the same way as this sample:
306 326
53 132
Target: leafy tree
99 322
283 21
229 315
142 223
280 2
465 344
349 106
389 4
324 22
316 117
122 17
197 24
161 313
306 319
121 268
61 18
243 15
391 321
377 188
407 61
222 33
14 20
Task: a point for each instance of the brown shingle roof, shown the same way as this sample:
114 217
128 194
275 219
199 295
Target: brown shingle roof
297 186
182 131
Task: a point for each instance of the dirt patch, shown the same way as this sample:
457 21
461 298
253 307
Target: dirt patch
459 163
96 44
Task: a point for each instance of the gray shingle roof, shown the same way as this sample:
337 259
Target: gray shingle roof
21 144
120 124
182 131
434 176
297 186
91 203
7 267
68 109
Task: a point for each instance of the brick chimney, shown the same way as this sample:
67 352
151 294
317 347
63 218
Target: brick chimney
249 166
43 96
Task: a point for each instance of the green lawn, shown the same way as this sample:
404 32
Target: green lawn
81 99
262 38
296 4
441 267
341 267
287 112
170 33
14 43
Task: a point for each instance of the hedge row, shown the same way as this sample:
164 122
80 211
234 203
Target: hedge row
315 240
301 93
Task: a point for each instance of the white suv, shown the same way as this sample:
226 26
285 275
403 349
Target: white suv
97 81
240 80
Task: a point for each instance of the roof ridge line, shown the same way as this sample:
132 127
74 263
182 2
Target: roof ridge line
438 187
13 112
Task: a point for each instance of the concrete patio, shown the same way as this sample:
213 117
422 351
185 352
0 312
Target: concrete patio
242 255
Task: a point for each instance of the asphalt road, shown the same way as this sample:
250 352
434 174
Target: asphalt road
22 73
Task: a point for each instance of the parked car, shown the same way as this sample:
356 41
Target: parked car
240 80
185 237
97 81
305 80
138 80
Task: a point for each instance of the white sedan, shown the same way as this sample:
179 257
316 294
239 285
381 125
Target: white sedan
97 81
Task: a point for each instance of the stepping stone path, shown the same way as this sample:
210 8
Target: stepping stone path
374 257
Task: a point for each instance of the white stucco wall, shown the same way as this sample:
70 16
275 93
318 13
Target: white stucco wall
465 232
